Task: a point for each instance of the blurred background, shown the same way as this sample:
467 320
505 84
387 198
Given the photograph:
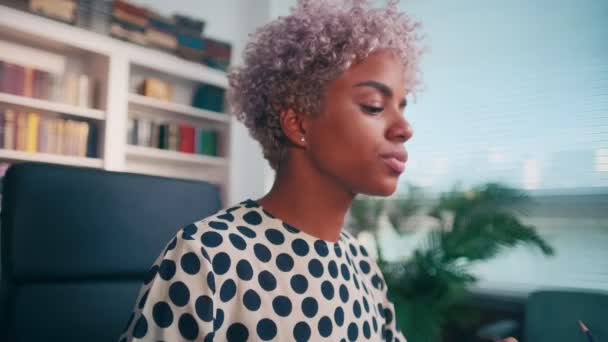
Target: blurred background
511 123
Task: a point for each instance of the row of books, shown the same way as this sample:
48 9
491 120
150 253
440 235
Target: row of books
206 96
172 136
33 132
176 34
22 80
25 81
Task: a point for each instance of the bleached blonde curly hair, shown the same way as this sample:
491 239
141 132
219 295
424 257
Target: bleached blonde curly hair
289 61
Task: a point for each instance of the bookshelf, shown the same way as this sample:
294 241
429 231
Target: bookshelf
50 106
116 67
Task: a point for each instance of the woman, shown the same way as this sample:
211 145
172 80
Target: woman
323 90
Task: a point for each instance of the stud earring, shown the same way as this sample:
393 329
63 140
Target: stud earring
302 139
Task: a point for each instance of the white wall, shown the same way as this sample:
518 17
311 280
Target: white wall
232 21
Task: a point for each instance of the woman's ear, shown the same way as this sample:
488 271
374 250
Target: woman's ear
293 127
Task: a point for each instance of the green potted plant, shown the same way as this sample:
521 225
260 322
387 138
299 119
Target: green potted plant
429 289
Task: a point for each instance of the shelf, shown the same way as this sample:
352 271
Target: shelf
43 29
177 108
174 156
50 106
13 155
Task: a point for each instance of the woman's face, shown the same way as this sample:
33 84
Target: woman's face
358 137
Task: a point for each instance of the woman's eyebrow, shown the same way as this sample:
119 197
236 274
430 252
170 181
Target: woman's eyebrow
379 86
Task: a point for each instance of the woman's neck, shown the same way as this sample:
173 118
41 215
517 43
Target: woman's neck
309 200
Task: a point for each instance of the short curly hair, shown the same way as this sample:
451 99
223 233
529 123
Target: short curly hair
289 61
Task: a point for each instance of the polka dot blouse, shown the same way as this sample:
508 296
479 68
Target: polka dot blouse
244 275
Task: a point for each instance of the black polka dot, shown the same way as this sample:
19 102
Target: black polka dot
321 248
300 247
221 263
237 332
210 336
388 316
353 331
274 236
218 225
150 274
366 330
144 299
267 213
141 327
237 241
246 231
345 272
291 228
218 320
244 270
204 308
162 314
281 306
356 281
267 281
190 263
365 304
343 293
309 307
301 332
377 282
187 326
299 283
353 250
179 293
227 217
211 239
388 335
167 269
357 309
205 254
251 300
374 324
188 231
338 251
333 269
253 218
327 289
211 281
262 252
171 245
284 262
339 316
266 329
325 326
228 290
249 203
380 310
363 251
315 268
364 265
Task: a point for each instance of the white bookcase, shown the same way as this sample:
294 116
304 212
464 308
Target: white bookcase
117 66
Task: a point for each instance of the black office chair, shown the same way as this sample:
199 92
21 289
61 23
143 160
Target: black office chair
76 242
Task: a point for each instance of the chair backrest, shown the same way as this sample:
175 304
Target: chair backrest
76 243
553 315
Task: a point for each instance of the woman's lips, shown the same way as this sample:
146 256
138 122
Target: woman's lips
394 164
395 160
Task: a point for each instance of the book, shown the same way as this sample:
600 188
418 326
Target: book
156 88
186 141
9 129
173 137
208 142
33 121
92 141
21 136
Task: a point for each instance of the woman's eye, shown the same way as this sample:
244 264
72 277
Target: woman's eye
371 109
